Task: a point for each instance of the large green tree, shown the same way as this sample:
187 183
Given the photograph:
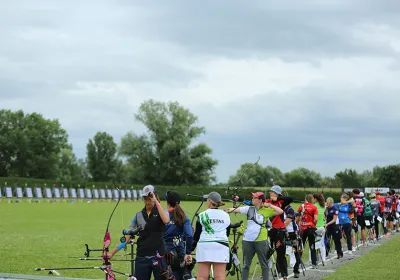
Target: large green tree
256 175
303 177
30 145
349 178
166 155
102 161
68 167
389 176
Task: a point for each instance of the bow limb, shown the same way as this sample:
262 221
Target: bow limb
106 245
196 214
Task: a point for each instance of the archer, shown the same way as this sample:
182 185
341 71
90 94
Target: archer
256 234
277 234
150 250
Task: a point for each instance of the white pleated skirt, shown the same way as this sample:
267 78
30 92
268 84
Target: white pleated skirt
212 252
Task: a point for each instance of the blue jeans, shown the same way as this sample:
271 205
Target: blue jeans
144 267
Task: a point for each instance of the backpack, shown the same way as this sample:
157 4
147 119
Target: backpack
367 208
360 205
388 204
375 206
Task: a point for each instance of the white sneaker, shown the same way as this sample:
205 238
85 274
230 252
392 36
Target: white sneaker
354 249
350 253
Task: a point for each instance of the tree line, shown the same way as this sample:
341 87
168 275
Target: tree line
379 176
32 146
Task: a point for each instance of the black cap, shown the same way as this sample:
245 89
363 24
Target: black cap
173 198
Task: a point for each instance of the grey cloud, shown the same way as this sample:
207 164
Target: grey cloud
326 139
227 28
48 49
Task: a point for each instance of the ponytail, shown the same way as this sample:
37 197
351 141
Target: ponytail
179 215
320 199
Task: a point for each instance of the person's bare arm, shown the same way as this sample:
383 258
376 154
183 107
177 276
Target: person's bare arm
163 215
277 210
332 222
119 246
287 221
232 210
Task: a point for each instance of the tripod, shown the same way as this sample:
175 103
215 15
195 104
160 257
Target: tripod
105 267
235 266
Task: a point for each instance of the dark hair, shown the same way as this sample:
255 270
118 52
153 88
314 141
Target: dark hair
350 194
262 197
179 215
320 199
309 197
356 191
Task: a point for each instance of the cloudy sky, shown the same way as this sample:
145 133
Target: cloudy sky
311 84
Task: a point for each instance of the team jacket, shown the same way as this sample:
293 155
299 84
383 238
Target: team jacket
282 202
184 233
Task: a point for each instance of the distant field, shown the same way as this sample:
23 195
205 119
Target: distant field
45 234
317 190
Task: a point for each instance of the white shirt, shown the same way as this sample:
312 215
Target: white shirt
214 223
289 227
255 229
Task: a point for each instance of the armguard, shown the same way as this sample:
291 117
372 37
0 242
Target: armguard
121 246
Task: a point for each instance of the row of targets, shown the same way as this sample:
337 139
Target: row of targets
56 193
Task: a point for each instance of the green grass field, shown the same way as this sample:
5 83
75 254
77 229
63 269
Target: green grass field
380 263
46 234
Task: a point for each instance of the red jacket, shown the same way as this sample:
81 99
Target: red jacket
277 221
307 218
381 200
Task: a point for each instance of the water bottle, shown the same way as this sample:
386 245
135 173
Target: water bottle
236 260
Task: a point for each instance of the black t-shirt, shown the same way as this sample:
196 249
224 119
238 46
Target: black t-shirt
151 237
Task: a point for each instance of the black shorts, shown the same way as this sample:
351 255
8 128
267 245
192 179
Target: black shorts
390 216
361 222
370 222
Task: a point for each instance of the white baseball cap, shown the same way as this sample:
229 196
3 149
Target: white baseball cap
148 189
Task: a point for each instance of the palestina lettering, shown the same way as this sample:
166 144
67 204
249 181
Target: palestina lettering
216 221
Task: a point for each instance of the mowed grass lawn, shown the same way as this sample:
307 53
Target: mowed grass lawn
46 234
380 263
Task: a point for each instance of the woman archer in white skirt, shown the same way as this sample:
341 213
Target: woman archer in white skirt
212 246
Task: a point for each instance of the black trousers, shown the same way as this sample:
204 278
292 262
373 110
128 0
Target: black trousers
347 231
293 237
144 267
277 238
334 232
376 226
309 234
